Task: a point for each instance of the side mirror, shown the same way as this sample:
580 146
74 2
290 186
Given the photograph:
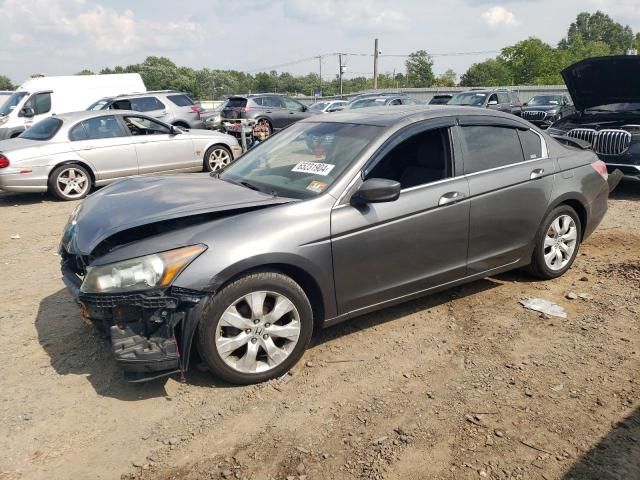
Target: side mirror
175 130
492 102
525 104
27 112
304 108
376 190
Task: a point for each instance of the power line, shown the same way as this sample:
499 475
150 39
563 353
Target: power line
352 54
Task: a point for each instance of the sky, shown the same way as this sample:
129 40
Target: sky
58 37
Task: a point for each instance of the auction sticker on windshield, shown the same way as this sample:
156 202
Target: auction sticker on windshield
316 168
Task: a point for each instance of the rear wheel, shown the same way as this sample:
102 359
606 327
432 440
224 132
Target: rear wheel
557 243
216 158
255 328
70 182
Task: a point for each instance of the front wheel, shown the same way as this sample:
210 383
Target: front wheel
255 328
216 158
557 243
70 182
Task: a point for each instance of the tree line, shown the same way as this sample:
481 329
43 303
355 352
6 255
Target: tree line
529 62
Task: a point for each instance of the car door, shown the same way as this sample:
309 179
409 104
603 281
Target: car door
158 148
274 109
295 110
509 193
504 102
384 251
105 145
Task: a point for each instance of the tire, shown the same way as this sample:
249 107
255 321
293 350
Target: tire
61 177
217 337
216 158
556 251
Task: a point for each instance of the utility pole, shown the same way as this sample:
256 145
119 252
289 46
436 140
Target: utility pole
320 88
340 71
375 63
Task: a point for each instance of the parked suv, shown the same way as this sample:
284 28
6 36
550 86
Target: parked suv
170 106
501 99
271 110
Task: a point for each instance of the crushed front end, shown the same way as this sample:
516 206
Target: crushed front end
150 331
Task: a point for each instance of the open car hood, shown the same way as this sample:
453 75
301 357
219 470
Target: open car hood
603 80
140 201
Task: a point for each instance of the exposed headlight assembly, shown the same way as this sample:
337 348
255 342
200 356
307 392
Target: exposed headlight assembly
142 273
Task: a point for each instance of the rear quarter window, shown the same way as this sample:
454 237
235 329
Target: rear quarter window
180 100
488 147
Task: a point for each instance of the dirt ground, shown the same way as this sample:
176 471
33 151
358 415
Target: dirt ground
462 384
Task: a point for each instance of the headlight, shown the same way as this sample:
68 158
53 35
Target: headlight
4 119
142 273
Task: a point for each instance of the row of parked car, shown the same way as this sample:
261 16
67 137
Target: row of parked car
164 131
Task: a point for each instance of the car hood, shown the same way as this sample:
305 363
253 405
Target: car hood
603 80
140 201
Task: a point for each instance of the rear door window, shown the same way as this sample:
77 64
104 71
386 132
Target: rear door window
273 102
97 128
531 144
488 147
146 104
181 100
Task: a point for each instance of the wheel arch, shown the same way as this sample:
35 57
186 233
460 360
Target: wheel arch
578 204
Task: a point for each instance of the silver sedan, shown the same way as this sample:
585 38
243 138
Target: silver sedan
67 155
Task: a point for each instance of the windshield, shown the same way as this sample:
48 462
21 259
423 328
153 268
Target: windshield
43 130
546 100
615 108
12 102
318 107
303 160
99 105
468 98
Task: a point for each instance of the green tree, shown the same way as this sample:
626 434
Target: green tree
85 72
447 79
532 62
6 84
420 69
598 27
490 73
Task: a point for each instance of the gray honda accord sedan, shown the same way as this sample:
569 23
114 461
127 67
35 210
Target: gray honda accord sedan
331 218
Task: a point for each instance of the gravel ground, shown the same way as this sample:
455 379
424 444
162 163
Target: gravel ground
461 384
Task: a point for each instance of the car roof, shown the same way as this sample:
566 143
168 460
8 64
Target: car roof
85 114
144 94
388 117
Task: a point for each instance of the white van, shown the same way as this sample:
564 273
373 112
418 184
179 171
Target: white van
41 97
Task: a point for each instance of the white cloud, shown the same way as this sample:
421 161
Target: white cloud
623 10
499 16
351 15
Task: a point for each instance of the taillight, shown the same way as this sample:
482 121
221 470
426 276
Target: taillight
601 167
4 161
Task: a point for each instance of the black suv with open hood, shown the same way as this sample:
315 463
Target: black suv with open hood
606 94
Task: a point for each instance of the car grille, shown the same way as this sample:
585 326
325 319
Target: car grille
604 142
534 115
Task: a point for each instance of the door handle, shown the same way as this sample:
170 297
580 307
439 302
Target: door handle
269 111
451 197
537 173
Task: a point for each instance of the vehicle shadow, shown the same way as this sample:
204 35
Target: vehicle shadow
615 457
75 348
11 198
407 308
626 190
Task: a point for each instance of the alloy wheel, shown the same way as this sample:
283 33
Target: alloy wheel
258 332
218 159
560 242
72 182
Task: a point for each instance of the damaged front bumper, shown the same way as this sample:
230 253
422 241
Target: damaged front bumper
150 332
